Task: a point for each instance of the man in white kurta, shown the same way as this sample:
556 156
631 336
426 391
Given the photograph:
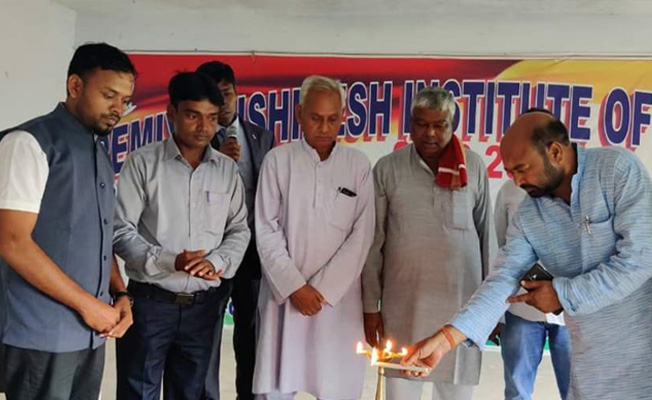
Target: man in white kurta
314 224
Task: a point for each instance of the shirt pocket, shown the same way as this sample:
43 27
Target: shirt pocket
216 211
601 232
342 211
457 209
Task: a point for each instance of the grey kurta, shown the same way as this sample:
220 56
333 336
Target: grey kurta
431 250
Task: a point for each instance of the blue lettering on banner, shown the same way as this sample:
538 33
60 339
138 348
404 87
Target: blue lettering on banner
357 120
541 95
580 112
507 91
641 116
617 103
380 107
241 106
558 93
140 135
256 112
453 86
119 146
524 97
279 114
489 108
472 90
296 130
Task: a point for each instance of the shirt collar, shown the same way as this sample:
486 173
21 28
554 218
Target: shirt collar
416 157
236 123
313 153
171 151
581 163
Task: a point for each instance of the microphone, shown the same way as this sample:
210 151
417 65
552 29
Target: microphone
232 132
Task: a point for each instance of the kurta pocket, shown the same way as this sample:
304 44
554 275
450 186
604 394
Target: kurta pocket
342 211
459 213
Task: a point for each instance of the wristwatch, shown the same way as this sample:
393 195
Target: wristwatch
117 295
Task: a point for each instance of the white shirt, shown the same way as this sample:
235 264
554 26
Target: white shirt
508 201
24 172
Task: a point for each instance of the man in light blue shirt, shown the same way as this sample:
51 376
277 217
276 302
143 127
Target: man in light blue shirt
589 220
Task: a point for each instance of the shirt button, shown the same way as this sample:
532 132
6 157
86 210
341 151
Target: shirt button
104 258
105 221
101 293
102 185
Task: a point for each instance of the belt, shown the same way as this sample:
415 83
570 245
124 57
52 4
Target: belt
153 292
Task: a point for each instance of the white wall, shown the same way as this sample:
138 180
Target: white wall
465 27
36 43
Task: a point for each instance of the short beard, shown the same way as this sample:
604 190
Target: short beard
554 179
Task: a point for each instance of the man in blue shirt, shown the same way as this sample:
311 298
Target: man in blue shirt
588 218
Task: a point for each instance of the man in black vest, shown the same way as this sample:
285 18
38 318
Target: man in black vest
63 294
246 144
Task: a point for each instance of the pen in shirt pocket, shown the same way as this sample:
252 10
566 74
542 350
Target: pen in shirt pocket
587 224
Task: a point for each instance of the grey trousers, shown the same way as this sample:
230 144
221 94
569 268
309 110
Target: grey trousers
403 389
38 375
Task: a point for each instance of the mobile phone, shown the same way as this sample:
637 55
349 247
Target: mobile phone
536 273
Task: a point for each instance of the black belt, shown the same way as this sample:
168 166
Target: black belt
153 292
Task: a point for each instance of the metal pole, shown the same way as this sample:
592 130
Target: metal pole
380 385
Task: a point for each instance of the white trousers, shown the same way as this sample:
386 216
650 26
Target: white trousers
403 389
283 396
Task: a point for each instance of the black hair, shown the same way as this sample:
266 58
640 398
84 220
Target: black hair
218 71
91 56
546 134
193 86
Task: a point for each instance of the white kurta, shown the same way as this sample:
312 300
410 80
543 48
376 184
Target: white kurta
308 231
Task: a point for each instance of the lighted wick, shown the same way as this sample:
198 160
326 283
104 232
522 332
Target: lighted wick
383 359
361 350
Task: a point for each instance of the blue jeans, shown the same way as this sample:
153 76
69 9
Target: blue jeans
522 344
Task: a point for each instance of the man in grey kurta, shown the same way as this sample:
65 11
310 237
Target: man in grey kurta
589 220
431 248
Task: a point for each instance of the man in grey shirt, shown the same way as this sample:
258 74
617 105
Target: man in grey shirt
181 225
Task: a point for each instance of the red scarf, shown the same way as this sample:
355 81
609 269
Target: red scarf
451 172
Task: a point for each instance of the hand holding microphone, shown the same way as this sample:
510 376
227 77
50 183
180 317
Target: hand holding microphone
230 145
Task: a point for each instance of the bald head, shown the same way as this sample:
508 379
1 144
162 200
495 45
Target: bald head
537 151
538 129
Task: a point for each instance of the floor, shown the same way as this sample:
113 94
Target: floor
490 387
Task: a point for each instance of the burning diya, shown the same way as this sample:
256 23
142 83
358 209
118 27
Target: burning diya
383 360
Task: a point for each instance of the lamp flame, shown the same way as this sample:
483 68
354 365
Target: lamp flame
374 356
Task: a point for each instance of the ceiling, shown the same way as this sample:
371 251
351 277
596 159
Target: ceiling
367 7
